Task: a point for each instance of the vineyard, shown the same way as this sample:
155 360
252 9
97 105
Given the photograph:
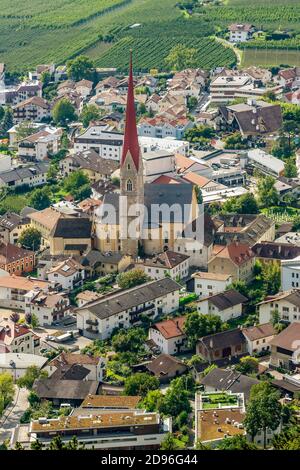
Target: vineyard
270 57
34 31
151 52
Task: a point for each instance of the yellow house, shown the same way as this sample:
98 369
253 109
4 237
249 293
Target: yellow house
235 259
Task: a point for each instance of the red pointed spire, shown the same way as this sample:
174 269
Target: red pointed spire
131 143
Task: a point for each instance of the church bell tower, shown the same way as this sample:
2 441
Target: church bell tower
131 179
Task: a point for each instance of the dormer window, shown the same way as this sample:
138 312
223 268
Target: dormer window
129 185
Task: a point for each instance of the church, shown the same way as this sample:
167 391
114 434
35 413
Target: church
143 218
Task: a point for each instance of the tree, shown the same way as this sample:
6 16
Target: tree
36 445
248 365
140 384
82 192
182 57
198 132
290 169
132 278
236 141
200 446
171 443
271 276
7 389
263 410
90 113
237 442
131 340
198 325
245 204
175 401
34 321
80 68
75 180
32 373
15 317
63 112
152 400
40 199
288 439
267 193
30 238
7 121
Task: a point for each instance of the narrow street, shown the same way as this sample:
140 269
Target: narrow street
11 416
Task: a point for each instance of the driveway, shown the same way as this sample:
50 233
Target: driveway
11 416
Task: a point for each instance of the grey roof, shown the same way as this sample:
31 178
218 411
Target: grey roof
26 211
252 228
73 228
227 299
168 194
65 389
223 339
272 250
25 172
130 298
165 365
90 160
110 216
221 379
94 257
10 220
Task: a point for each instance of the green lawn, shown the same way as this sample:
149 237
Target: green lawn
270 57
216 400
281 214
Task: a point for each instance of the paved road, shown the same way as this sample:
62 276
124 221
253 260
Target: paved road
13 413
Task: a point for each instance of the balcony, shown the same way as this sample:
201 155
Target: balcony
92 322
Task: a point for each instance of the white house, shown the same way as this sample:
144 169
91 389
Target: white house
34 109
15 338
258 338
169 263
290 274
96 365
17 363
169 336
208 284
13 289
47 307
157 163
161 127
240 32
123 309
40 145
106 142
69 274
34 174
227 305
287 304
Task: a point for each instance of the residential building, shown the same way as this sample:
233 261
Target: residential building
207 284
11 227
16 260
5 162
153 144
48 307
235 259
16 364
169 263
285 351
102 139
34 109
86 297
109 429
169 336
232 381
240 32
227 305
95 365
258 338
264 162
69 274
45 221
13 289
16 338
109 402
251 119
94 166
123 309
216 420
162 126
166 368
40 145
274 252
29 175
290 273
226 344
287 304
103 263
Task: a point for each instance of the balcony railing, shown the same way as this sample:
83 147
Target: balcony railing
92 322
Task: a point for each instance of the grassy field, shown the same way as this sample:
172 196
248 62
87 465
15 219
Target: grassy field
269 58
34 31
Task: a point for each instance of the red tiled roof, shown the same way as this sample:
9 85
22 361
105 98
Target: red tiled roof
171 328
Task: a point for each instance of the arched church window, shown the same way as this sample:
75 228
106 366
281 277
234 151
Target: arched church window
129 185
128 166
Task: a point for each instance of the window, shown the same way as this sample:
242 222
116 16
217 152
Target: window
129 185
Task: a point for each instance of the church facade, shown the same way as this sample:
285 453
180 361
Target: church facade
143 218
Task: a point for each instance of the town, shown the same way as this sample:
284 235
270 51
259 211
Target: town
150 257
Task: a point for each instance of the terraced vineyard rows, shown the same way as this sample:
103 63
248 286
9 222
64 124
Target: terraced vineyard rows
151 52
